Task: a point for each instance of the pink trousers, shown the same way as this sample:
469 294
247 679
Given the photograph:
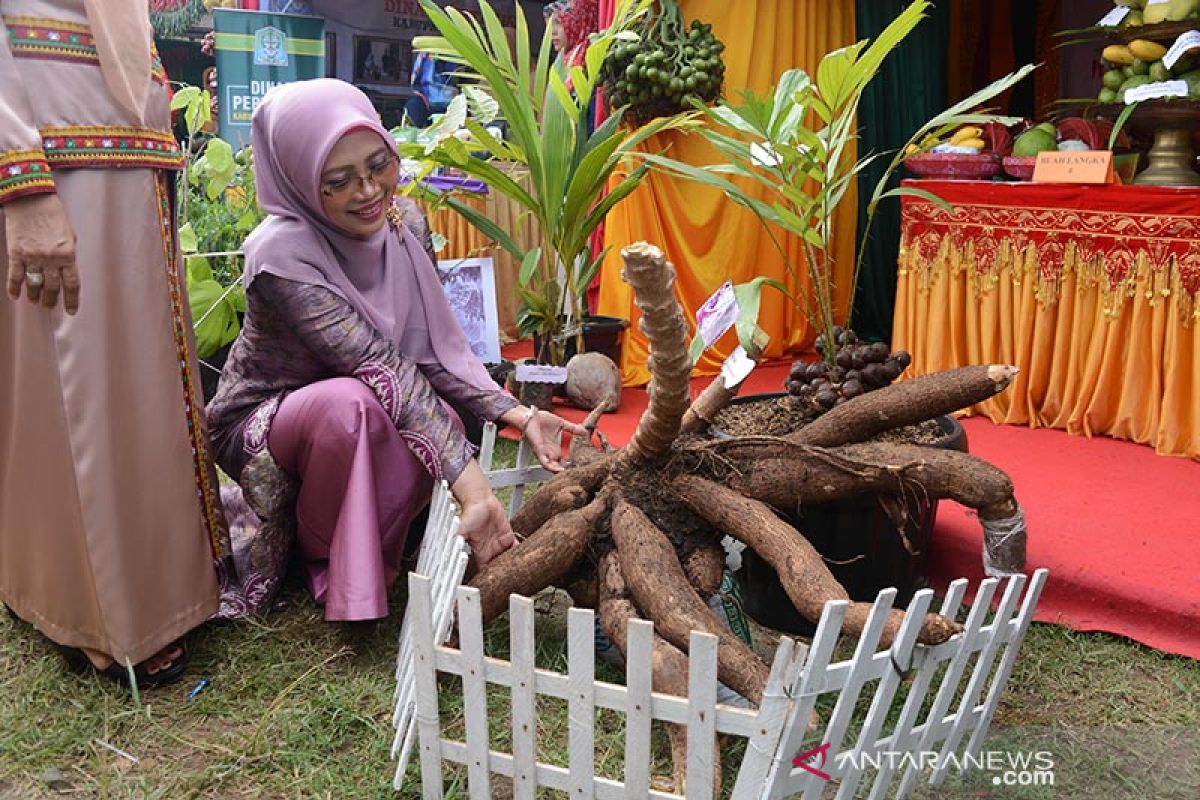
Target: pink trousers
360 488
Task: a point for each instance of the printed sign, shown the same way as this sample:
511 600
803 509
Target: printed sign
1080 166
540 373
1114 18
717 315
1151 91
256 52
1186 42
737 367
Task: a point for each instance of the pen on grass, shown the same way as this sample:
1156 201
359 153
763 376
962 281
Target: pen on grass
199 687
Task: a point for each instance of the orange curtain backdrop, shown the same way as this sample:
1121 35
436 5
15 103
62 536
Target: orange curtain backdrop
1093 292
708 238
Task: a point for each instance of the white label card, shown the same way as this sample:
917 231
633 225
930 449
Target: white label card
1151 91
540 373
737 367
1157 2
1114 18
717 315
1186 42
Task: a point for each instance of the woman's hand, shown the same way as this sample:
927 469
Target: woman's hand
41 251
541 429
482 520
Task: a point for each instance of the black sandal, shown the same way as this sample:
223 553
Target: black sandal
79 662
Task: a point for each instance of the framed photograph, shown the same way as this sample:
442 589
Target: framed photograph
330 54
382 61
470 286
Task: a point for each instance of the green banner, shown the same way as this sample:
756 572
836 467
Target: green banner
257 51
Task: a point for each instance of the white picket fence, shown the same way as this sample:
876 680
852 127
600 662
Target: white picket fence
974 668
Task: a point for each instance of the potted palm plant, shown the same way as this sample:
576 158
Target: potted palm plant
792 147
550 162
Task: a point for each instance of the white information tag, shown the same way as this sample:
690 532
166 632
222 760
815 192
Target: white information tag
540 373
1114 18
717 315
1151 91
1186 42
1157 3
737 367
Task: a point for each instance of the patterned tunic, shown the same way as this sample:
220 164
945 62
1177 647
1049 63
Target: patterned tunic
297 334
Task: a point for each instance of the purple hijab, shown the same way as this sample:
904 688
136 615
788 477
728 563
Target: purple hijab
387 278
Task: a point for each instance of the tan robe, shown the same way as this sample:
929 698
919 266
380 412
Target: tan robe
109 520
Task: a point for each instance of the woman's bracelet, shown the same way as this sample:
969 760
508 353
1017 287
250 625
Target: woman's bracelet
529 415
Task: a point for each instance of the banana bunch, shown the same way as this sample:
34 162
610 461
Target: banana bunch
968 137
1140 62
1142 12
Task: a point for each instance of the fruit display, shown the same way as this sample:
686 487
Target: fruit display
860 368
669 68
1141 62
1143 12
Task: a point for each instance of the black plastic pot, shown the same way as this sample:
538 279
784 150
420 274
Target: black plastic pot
860 544
600 335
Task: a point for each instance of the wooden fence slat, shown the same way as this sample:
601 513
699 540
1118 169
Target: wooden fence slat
812 683
518 490
475 707
639 682
1032 594
972 632
524 714
772 714
843 710
902 737
487 447
581 707
983 668
428 726
901 654
701 728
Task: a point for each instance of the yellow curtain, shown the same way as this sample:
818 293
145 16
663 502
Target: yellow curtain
708 238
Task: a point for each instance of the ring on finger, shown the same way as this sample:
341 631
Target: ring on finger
35 279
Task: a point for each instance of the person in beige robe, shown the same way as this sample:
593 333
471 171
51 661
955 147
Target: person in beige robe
109 518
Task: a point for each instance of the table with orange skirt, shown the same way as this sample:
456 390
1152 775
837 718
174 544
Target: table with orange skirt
1093 291
464 240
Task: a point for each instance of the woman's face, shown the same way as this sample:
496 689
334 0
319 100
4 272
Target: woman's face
558 34
357 183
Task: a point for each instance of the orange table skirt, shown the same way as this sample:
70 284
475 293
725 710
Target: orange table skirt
465 241
1094 292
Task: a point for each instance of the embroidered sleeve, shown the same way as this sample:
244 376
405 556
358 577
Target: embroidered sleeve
487 405
349 345
23 167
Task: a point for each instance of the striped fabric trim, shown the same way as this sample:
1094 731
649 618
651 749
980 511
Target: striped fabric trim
111 147
206 487
55 40
24 172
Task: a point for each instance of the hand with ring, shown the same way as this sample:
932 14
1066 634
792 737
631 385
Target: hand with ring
541 430
41 251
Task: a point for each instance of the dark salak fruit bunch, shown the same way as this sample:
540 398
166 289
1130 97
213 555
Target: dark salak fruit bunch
846 369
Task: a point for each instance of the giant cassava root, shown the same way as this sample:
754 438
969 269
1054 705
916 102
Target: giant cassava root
636 531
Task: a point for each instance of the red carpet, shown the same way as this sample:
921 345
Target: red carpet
1117 525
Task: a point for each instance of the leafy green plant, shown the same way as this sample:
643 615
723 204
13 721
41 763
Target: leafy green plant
794 142
548 138
218 207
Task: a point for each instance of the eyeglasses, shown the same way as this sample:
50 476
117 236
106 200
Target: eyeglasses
383 171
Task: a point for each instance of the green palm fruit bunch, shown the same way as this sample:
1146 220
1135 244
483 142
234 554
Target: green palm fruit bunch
667 70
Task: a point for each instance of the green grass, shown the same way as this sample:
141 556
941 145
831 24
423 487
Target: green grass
300 708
